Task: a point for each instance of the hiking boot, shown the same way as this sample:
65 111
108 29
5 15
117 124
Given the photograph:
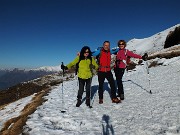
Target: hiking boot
79 102
100 101
88 101
116 100
122 96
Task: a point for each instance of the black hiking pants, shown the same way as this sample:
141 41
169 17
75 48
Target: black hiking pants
119 72
87 84
109 76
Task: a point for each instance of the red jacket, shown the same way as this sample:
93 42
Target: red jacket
104 60
121 58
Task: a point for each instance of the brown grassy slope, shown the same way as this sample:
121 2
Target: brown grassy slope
15 125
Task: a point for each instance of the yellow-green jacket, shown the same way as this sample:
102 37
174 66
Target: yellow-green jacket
84 70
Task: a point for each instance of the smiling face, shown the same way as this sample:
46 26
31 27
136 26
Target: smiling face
86 53
121 44
106 46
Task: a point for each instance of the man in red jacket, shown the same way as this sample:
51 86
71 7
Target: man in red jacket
104 72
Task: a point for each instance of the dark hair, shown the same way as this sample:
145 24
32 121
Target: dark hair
123 41
106 42
83 50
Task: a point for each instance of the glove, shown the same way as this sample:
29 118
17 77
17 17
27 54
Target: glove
140 61
65 67
145 57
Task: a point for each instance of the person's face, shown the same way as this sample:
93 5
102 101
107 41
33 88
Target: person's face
86 53
106 46
121 45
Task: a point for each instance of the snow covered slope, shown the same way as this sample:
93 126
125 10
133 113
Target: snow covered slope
150 44
13 110
141 113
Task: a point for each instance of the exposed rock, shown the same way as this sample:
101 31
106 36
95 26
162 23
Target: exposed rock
173 38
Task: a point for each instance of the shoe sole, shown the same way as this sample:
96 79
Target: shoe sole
116 102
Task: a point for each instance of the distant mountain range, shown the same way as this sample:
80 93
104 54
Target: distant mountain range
9 78
49 68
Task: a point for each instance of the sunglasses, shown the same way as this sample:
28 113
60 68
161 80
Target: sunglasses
86 52
121 44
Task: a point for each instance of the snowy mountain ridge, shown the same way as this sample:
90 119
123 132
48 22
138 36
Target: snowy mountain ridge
50 68
151 44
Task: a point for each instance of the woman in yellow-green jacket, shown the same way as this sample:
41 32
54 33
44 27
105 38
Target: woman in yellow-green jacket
85 64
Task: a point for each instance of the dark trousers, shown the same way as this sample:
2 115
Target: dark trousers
109 76
119 72
87 84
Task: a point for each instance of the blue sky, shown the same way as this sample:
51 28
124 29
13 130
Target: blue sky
35 33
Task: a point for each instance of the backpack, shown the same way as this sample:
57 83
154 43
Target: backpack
99 55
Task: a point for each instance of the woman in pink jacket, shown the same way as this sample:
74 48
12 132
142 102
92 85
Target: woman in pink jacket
121 63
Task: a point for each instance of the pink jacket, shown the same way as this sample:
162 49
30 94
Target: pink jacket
121 58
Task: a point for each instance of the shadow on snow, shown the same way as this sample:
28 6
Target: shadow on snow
107 128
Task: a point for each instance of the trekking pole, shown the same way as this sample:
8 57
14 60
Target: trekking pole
145 58
62 109
77 80
147 69
62 67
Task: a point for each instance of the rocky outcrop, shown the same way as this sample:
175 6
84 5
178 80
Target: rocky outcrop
173 38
